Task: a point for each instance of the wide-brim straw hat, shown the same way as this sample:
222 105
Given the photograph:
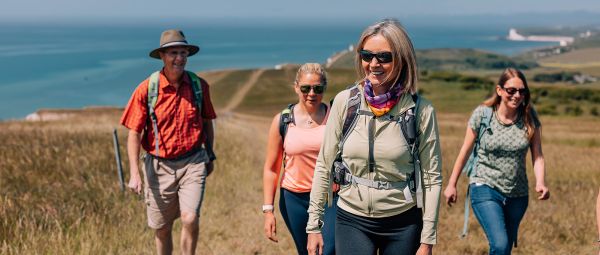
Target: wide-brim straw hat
171 38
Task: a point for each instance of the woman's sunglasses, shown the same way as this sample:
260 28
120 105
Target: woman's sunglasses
382 57
318 89
512 91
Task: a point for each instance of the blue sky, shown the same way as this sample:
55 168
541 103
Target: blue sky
37 11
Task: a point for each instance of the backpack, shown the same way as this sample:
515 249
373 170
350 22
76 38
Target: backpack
153 85
408 123
470 168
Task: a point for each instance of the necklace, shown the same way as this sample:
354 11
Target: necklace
505 123
309 119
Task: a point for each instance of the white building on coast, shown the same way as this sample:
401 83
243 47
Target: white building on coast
513 35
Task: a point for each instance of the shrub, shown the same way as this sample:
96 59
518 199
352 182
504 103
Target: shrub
547 110
594 111
573 110
445 76
555 77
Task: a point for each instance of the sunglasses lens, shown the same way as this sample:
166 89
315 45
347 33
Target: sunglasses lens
366 56
384 57
305 89
318 89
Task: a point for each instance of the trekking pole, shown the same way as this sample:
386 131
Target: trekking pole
118 159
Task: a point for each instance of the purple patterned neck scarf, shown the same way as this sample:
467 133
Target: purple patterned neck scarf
383 103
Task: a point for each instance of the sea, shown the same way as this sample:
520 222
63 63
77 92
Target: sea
73 66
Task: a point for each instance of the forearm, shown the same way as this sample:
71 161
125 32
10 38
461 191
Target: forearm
431 165
321 186
318 199
133 151
539 170
270 178
432 194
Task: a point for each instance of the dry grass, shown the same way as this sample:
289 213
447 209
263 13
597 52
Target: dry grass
60 194
59 189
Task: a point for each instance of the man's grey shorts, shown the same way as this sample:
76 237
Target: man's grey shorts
173 186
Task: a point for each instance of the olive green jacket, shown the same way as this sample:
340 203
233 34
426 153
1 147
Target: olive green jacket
393 162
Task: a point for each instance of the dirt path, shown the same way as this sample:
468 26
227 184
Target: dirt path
241 93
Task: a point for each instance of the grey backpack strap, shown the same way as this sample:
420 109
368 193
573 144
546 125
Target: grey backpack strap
470 167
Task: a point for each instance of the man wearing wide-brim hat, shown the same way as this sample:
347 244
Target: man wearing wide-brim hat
170 115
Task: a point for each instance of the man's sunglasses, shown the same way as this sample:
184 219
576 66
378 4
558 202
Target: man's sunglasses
318 89
512 91
382 57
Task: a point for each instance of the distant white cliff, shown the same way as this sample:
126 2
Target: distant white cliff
513 35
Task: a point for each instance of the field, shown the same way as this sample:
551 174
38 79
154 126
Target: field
59 189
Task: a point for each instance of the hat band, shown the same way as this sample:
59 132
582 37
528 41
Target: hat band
169 44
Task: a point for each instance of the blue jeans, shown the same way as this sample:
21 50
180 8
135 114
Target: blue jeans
498 215
294 207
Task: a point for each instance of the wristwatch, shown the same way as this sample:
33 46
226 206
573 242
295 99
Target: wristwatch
267 208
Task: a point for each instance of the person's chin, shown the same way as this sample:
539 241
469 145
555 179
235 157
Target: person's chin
514 105
375 81
312 102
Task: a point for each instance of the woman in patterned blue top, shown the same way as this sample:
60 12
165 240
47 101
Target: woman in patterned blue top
498 183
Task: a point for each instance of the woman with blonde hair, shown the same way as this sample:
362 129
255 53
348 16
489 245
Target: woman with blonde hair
295 138
382 146
498 180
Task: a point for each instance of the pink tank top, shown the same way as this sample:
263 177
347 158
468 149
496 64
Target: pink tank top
301 148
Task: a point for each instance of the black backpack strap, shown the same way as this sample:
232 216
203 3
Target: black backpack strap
285 118
351 110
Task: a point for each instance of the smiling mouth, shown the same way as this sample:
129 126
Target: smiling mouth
376 72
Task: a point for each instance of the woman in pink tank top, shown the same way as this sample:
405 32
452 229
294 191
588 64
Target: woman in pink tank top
295 144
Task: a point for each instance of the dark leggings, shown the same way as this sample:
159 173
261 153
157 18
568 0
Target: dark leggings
399 234
293 207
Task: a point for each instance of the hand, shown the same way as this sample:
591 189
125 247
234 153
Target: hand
424 249
314 244
210 166
450 194
270 226
135 183
543 190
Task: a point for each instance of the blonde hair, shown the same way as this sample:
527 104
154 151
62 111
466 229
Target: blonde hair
314 68
404 60
525 108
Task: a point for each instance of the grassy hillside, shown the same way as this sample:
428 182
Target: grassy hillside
59 189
